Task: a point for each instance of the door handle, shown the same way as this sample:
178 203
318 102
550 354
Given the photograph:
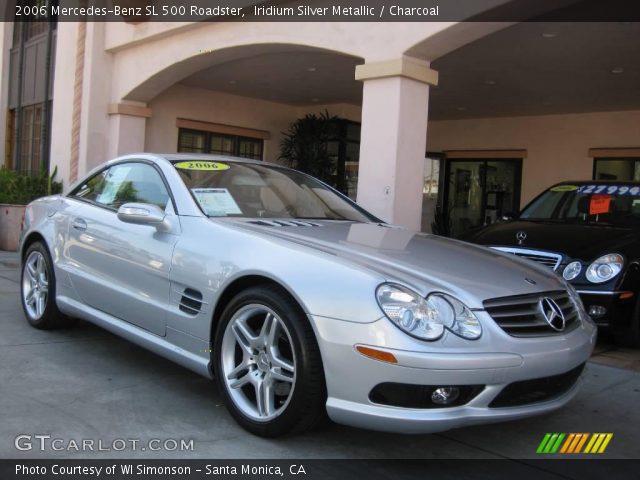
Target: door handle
79 224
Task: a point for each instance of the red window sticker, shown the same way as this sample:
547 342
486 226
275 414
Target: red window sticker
599 204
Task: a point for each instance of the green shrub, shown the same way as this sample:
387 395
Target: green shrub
19 188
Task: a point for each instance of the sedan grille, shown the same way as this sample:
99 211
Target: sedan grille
522 315
551 260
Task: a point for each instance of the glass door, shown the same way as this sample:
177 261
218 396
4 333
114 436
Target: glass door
431 192
344 150
480 192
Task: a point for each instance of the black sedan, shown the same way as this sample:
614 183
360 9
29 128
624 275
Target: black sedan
588 232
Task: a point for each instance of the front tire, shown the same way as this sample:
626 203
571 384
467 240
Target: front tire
267 363
38 290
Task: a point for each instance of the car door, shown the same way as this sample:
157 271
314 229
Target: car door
121 268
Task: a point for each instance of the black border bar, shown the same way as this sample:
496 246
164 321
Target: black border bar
136 11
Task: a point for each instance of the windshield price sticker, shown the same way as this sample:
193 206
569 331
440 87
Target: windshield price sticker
208 166
216 202
599 204
610 190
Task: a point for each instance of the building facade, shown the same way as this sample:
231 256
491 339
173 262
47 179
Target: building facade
481 116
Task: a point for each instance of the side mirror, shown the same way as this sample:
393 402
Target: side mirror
142 214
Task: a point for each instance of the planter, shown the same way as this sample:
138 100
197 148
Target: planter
11 217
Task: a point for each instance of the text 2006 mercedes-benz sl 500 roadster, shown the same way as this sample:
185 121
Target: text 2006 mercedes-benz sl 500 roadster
298 302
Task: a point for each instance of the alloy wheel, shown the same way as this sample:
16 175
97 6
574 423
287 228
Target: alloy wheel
35 285
258 362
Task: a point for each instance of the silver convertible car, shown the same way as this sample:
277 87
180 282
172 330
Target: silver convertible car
298 302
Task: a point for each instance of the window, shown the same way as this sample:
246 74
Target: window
36 24
432 163
624 169
31 65
124 183
197 141
30 138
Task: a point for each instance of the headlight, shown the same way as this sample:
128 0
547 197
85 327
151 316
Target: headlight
572 270
427 318
605 268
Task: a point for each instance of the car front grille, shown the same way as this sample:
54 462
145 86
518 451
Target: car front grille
550 260
537 390
522 316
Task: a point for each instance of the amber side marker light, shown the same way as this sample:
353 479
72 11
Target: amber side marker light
625 295
376 354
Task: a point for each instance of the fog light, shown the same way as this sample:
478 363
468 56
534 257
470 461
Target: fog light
445 395
596 311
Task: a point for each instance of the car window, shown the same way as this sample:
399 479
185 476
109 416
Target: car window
124 183
598 203
544 206
261 191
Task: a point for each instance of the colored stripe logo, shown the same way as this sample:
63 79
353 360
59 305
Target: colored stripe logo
573 443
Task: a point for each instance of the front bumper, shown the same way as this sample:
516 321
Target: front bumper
494 361
619 310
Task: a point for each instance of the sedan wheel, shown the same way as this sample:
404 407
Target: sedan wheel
35 285
258 363
267 363
38 288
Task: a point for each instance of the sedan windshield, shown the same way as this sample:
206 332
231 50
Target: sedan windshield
607 204
236 189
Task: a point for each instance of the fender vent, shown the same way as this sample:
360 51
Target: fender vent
191 301
285 223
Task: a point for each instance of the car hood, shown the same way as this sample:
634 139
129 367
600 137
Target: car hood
580 241
425 262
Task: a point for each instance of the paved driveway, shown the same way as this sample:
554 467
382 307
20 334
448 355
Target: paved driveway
85 383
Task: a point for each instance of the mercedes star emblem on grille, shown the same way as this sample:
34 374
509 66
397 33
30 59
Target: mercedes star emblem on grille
552 313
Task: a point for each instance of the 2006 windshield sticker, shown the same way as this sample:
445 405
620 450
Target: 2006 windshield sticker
209 166
564 188
610 189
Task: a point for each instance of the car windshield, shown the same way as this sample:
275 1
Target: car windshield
236 189
607 204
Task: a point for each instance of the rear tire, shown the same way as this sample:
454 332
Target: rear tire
38 290
267 364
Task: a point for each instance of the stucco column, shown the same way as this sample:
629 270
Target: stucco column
395 101
81 92
127 126
67 97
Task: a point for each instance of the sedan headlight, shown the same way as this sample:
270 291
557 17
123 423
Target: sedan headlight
605 268
427 319
572 270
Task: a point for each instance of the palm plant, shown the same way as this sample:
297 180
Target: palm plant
305 145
